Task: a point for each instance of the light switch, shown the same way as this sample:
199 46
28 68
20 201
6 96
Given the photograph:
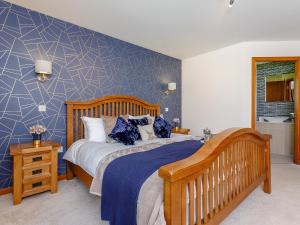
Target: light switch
166 109
42 108
60 150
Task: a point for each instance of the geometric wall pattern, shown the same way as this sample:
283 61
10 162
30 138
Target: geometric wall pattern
86 64
272 108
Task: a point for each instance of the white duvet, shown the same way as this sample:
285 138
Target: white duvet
88 154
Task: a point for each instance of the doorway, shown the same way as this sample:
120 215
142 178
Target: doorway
291 87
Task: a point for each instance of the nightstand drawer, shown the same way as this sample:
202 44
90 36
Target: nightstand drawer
36 186
37 158
36 171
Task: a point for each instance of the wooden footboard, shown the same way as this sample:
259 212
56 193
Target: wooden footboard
217 178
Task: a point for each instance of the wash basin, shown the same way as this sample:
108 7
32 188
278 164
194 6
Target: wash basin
275 119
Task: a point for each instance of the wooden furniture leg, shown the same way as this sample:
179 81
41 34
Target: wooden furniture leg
17 184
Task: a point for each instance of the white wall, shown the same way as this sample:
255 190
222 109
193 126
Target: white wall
216 86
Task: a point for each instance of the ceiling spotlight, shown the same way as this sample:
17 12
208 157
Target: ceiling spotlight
231 3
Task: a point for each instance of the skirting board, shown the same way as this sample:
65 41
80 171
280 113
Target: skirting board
8 190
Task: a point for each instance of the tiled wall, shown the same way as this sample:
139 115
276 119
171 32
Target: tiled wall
272 108
86 64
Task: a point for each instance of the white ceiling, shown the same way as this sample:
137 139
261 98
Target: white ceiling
179 28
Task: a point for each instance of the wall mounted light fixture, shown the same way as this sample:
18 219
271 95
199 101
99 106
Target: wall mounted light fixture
43 69
231 3
171 88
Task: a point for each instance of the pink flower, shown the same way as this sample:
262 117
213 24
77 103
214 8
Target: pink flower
37 129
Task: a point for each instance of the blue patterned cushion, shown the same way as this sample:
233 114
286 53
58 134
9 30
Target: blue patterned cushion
124 132
135 123
162 128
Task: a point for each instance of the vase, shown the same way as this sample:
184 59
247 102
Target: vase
176 124
36 139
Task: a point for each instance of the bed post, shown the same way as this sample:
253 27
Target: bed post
267 180
70 174
172 202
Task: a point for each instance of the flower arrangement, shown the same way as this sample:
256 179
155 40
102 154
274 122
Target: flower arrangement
176 122
37 129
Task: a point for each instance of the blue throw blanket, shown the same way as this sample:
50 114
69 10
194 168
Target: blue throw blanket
124 177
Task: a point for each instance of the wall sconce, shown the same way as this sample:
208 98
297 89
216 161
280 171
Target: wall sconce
43 69
171 88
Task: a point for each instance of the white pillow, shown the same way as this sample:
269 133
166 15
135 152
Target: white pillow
94 129
147 132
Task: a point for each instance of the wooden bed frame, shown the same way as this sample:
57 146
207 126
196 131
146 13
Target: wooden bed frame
237 160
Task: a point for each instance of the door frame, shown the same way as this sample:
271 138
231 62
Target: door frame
295 59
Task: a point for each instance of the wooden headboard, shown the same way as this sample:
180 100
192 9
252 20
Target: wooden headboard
105 106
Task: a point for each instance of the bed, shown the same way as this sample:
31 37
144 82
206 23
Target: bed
202 188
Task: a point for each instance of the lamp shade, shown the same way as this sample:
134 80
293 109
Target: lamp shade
292 85
171 86
43 67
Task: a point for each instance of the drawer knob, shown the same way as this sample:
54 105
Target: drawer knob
37 184
36 159
38 171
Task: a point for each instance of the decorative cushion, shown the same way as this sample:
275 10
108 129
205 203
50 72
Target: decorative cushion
162 128
124 132
150 118
93 129
135 123
147 132
109 124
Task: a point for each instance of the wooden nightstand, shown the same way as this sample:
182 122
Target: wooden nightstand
180 131
34 169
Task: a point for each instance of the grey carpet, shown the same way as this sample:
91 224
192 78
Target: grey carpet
73 205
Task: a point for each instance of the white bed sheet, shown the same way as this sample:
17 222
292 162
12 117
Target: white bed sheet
88 154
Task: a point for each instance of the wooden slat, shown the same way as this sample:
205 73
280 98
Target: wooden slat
104 109
191 202
255 161
238 169
221 181
129 108
198 201
225 178
81 124
76 124
252 162
183 203
243 166
211 188
230 169
205 198
216 185
247 163
234 146
97 111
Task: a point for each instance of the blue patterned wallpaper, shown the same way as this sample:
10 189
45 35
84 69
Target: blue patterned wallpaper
86 64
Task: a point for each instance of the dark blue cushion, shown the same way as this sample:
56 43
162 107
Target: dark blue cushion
135 123
162 128
124 132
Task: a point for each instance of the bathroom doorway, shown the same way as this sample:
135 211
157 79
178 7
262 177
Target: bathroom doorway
276 101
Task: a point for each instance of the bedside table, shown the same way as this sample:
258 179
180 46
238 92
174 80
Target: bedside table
180 131
34 169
